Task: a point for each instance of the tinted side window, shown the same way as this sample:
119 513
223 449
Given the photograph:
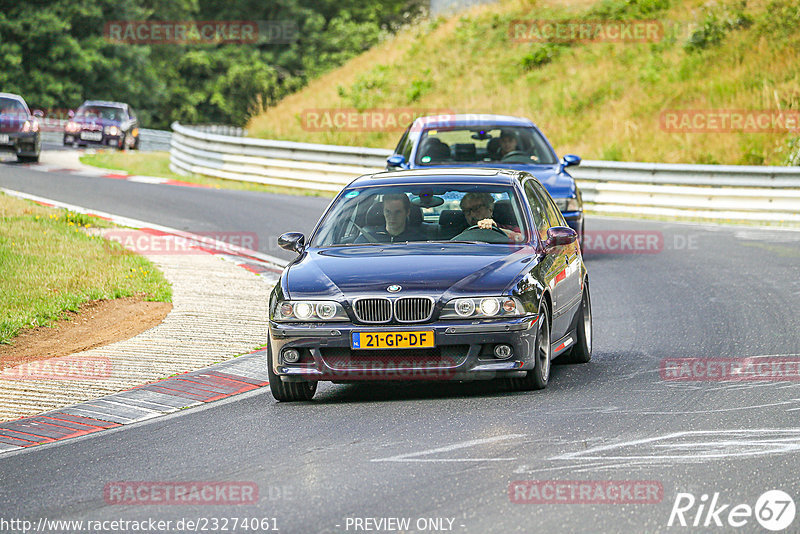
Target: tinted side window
554 216
538 209
399 148
406 144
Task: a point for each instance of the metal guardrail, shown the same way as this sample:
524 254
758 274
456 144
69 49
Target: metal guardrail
672 190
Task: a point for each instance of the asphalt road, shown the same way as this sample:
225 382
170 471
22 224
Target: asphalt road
450 451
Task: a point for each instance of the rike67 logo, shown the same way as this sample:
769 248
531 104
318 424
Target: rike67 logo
774 510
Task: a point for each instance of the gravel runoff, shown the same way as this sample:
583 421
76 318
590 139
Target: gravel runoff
219 311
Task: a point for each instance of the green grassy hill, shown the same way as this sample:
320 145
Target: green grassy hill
600 100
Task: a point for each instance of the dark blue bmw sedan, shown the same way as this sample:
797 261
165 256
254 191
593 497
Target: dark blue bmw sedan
496 141
436 274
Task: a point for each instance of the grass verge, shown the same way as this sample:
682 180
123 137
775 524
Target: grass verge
157 164
49 265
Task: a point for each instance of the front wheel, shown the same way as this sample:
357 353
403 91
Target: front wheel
288 391
537 377
582 351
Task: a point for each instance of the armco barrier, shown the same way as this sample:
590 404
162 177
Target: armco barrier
769 194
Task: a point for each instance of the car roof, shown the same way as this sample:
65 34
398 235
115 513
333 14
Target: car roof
439 175
470 119
12 95
104 103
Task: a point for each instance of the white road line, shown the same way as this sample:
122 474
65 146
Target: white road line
778 445
147 179
412 456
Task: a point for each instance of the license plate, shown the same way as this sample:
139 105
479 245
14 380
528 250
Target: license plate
392 340
3 139
91 136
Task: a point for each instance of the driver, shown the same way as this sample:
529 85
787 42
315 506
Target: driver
508 146
478 208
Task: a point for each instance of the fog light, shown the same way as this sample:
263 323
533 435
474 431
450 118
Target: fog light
503 352
293 355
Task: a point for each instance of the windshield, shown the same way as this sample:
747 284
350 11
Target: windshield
12 107
423 213
101 112
484 146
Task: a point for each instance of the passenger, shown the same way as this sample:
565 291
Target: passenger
478 209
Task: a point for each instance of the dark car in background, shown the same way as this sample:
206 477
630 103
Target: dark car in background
19 128
394 284
101 123
496 141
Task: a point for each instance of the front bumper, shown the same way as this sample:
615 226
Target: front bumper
463 351
23 143
114 141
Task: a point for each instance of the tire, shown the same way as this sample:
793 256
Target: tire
28 159
136 144
582 351
538 377
288 391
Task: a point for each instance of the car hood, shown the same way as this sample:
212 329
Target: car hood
558 183
449 269
100 122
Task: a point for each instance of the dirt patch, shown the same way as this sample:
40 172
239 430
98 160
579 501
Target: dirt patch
96 324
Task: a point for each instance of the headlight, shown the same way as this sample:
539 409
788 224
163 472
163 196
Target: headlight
490 306
27 126
567 204
72 127
111 130
309 311
464 307
483 307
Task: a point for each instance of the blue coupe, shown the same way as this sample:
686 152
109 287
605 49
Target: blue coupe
496 141
435 274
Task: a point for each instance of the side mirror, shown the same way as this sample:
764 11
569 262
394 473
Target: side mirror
292 241
395 161
70 114
38 113
559 236
571 160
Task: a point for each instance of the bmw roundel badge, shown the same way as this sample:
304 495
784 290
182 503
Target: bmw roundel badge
394 288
